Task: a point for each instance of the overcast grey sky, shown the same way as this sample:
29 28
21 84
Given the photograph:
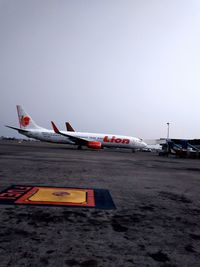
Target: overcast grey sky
124 67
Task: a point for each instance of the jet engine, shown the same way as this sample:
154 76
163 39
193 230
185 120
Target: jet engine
94 144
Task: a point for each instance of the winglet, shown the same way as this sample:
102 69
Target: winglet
55 127
69 127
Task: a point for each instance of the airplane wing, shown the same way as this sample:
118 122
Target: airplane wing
69 127
78 140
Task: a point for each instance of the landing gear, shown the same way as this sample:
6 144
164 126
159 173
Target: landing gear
133 150
79 147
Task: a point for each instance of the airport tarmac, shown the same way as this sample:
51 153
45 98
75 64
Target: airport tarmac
156 222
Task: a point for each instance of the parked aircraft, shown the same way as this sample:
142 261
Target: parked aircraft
92 140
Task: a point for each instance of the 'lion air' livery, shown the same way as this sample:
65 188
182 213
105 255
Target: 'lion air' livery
92 140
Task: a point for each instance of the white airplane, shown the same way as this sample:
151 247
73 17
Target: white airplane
91 140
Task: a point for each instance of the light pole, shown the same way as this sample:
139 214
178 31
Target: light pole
168 130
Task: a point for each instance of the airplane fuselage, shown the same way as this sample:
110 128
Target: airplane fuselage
107 140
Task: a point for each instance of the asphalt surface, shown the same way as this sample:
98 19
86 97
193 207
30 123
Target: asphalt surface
156 222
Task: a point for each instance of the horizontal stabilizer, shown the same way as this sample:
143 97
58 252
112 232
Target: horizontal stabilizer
17 129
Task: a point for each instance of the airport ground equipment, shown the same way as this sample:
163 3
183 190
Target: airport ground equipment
183 148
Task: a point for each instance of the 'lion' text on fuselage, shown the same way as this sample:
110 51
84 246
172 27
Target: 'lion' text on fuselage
113 139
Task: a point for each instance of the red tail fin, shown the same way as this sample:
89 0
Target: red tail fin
55 127
69 127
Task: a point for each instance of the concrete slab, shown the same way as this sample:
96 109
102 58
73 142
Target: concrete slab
156 222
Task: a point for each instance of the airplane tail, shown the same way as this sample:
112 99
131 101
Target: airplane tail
25 121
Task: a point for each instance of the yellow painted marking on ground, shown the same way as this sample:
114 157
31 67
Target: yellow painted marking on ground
59 195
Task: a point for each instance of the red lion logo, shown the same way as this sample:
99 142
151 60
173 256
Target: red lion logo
25 121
